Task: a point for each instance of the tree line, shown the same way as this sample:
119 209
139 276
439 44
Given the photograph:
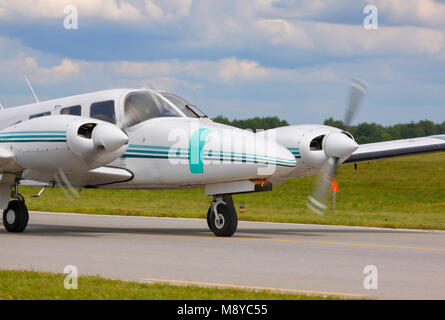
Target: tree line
255 124
363 132
372 132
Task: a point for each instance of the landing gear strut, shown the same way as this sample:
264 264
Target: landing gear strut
15 216
221 216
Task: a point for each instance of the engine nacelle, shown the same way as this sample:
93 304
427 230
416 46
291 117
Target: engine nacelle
96 142
309 145
68 143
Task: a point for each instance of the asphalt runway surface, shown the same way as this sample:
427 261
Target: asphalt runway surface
295 258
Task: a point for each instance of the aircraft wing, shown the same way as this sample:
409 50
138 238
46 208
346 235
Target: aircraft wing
90 179
397 148
108 175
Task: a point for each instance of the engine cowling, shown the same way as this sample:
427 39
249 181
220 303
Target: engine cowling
96 142
70 143
314 144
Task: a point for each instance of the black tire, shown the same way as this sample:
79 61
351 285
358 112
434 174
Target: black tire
15 216
229 224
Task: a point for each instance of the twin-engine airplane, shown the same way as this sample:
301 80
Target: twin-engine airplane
148 139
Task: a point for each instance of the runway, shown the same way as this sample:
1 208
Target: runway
293 258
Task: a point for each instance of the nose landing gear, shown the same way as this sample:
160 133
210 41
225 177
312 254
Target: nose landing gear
221 216
15 216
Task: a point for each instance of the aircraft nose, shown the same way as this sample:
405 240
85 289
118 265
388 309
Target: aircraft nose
109 137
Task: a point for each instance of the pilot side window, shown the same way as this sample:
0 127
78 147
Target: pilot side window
38 115
142 106
74 110
103 111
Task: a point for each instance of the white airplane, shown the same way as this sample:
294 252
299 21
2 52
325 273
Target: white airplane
148 139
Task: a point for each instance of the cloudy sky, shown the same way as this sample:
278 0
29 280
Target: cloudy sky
238 58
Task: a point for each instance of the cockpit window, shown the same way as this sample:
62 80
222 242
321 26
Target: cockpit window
103 111
141 106
189 110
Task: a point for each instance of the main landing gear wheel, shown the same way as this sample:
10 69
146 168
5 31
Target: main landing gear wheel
225 221
15 216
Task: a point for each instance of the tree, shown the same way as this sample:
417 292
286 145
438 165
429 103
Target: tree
363 132
255 124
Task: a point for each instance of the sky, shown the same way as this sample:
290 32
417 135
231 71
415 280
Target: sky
238 58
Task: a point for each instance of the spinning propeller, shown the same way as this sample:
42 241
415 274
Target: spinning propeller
336 145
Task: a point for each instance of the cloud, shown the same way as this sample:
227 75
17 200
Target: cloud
340 40
282 32
168 84
296 8
276 26
116 10
227 71
46 70
22 64
233 69
266 25
167 10
423 12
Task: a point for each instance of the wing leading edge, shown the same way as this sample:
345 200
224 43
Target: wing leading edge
397 148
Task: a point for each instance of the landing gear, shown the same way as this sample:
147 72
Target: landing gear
221 216
15 216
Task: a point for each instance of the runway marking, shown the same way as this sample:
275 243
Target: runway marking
87 229
236 286
343 243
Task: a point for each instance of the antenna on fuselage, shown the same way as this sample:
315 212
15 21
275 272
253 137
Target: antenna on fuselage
32 90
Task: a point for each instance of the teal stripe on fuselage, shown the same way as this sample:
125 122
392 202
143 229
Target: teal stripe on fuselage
257 158
215 155
32 136
206 153
32 132
158 152
35 136
205 158
39 140
157 147
152 156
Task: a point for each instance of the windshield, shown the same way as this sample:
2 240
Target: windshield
189 110
141 106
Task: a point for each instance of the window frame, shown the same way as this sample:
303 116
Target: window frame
69 114
175 109
93 104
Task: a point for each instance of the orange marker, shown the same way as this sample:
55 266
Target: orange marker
334 186
334 189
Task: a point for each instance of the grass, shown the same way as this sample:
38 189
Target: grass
399 193
31 285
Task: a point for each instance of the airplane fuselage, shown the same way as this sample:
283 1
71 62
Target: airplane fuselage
169 151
